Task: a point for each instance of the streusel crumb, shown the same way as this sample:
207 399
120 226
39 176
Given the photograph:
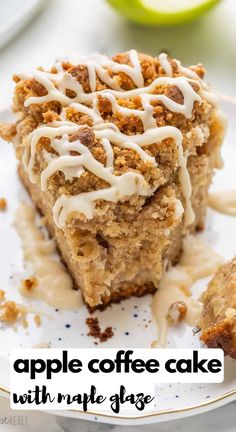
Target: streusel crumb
96 332
3 204
177 312
2 295
37 320
9 312
30 283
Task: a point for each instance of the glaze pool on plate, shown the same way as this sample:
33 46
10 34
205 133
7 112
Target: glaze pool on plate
131 320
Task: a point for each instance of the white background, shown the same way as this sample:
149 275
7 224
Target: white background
90 25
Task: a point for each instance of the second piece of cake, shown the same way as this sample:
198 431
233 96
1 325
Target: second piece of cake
218 321
118 155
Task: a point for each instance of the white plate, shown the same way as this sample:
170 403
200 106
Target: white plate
131 319
14 15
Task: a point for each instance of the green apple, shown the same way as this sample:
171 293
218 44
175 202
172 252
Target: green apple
162 12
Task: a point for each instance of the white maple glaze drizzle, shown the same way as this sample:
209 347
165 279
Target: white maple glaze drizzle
224 202
165 64
54 285
198 261
204 89
127 184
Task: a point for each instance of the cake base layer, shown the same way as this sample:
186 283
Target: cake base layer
43 207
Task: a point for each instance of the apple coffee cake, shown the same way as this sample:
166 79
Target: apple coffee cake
118 155
218 320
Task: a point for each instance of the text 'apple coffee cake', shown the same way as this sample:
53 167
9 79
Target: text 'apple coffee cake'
118 155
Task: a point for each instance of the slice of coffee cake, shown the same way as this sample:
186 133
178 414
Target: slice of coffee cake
118 155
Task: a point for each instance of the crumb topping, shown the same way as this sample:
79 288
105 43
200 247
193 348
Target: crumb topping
3 204
37 320
30 283
96 332
100 134
7 131
9 311
177 312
